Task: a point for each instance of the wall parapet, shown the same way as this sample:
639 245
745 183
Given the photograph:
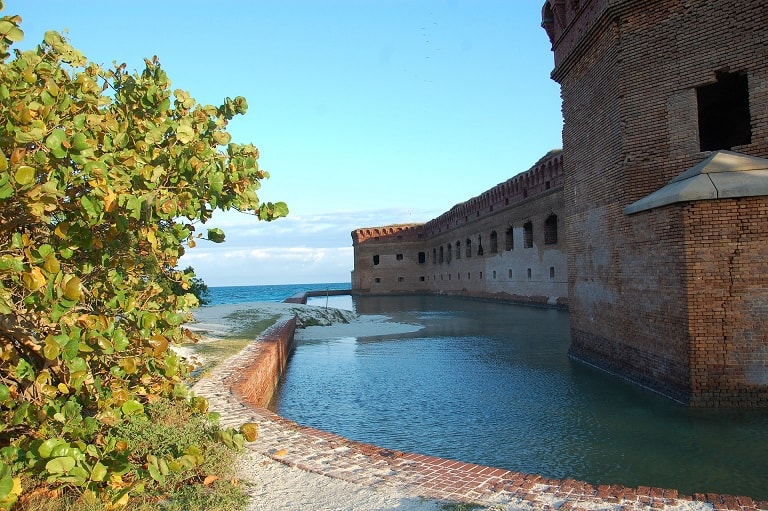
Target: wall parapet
545 176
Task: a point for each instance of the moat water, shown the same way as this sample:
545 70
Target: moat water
492 384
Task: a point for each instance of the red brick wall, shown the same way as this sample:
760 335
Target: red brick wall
726 274
629 72
257 381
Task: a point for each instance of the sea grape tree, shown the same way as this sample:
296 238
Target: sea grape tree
105 179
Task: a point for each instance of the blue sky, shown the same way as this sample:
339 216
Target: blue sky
366 112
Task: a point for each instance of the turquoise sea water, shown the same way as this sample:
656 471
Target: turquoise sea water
491 383
277 293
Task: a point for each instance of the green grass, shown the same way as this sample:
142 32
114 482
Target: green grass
171 429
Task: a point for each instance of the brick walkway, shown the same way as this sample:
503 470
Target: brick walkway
333 456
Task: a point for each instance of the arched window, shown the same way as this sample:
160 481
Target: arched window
468 243
434 256
458 250
479 245
494 242
441 254
509 239
550 230
527 235
449 255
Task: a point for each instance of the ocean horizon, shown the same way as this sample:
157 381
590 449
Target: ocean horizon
223 295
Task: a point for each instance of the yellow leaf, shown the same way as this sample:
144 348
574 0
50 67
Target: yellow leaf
63 388
210 480
16 486
61 229
280 453
24 175
51 265
34 279
110 202
71 288
250 430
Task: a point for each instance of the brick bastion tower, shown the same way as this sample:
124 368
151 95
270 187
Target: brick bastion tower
665 106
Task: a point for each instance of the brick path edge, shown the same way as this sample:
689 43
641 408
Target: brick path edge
241 387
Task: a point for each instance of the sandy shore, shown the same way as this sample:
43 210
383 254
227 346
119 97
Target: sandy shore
273 485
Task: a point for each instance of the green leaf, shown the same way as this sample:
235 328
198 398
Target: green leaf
185 134
24 370
5 392
99 472
11 31
131 407
216 235
55 139
155 474
46 448
6 486
60 465
280 210
80 142
216 182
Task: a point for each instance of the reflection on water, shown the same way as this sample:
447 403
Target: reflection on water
491 383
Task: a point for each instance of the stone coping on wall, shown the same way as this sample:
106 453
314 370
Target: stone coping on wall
426 476
722 175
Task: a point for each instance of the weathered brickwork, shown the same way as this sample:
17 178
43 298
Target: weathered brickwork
672 293
507 243
726 281
673 298
256 384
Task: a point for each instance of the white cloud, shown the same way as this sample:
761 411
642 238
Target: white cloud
301 248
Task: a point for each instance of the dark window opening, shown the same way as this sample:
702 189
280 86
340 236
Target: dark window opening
449 254
724 118
434 256
494 274
458 250
401 279
527 235
421 279
479 245
494 242
468 243
550 230
399 257
551 272
377 280
422 257
529 274
509 239
441 255
376 260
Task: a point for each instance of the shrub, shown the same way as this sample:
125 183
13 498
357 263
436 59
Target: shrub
104 178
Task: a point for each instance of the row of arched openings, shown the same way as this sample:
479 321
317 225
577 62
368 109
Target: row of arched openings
445 253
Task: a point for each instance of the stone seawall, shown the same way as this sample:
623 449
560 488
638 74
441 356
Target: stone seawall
256 382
